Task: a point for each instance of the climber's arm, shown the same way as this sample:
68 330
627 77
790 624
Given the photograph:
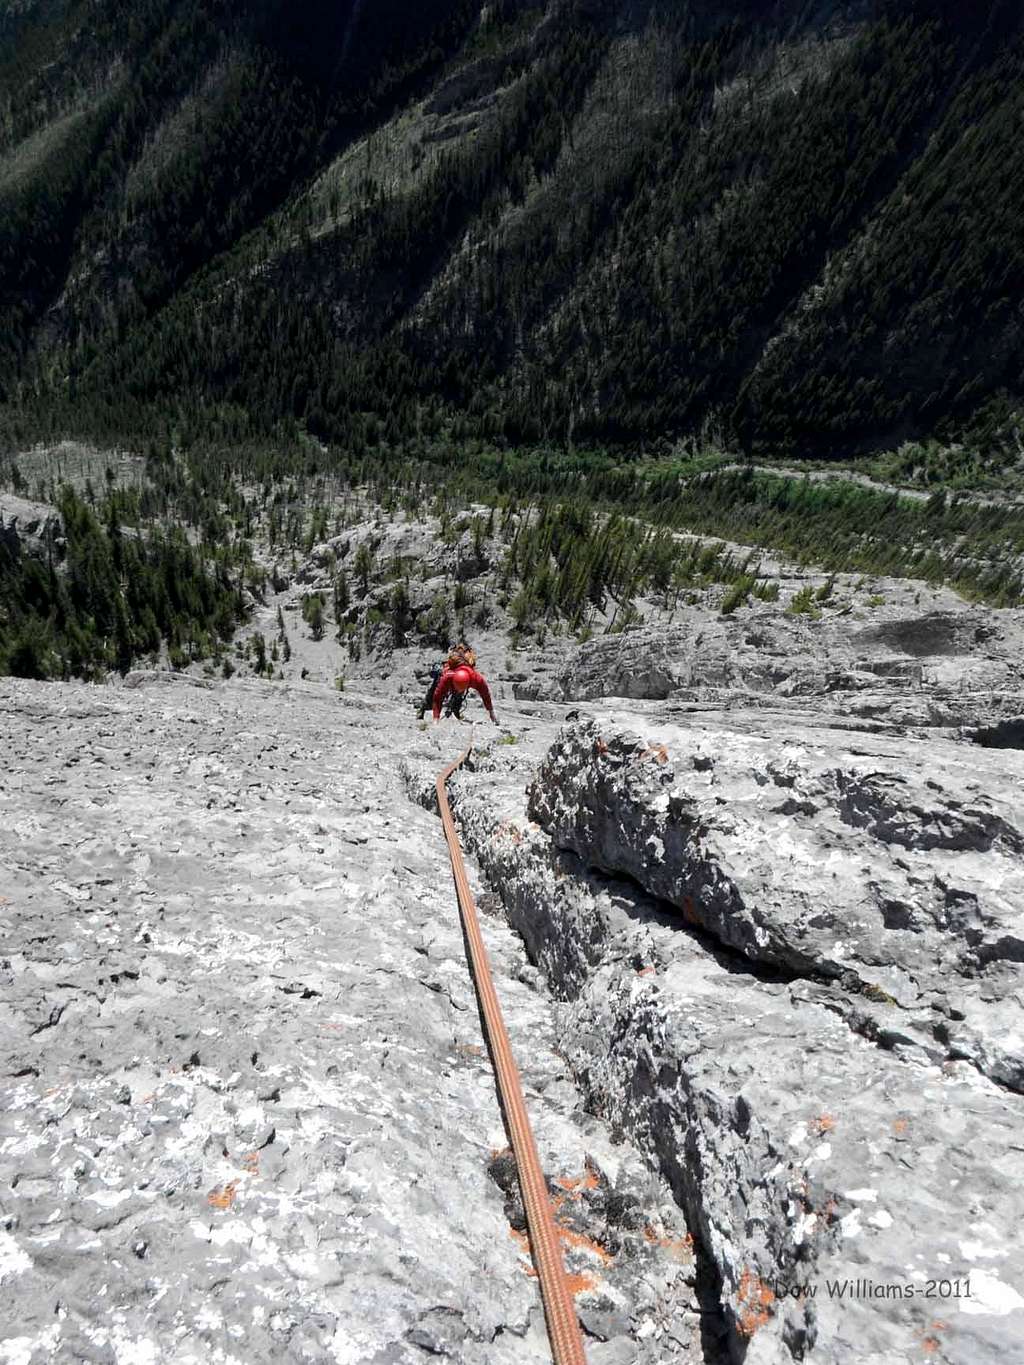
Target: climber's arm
480 683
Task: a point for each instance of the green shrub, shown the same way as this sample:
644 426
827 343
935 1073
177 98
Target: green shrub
802 604
737 595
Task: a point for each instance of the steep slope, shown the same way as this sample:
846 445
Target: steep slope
247 1113
596 221
770 891
194 121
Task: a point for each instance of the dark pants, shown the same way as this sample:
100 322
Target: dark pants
455 699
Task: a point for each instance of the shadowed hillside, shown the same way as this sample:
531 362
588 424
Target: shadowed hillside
582 222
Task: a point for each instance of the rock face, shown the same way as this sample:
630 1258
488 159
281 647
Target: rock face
757 921
246 1113
790 960
938 667
31 526
893 868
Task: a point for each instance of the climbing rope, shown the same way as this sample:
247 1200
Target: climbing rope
559 1308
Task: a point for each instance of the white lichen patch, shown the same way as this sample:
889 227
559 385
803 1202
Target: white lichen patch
14 1260
989 1294
849 1226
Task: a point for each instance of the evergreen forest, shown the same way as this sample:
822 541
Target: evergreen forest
585 224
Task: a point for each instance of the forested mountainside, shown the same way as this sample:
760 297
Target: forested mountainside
578 222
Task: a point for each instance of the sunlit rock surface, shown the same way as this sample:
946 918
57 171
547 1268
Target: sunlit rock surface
756 911
246 1113
790 962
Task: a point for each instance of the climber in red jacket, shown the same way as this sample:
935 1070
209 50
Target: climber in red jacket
460 680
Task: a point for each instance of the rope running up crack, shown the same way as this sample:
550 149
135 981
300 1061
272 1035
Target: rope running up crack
559 1307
